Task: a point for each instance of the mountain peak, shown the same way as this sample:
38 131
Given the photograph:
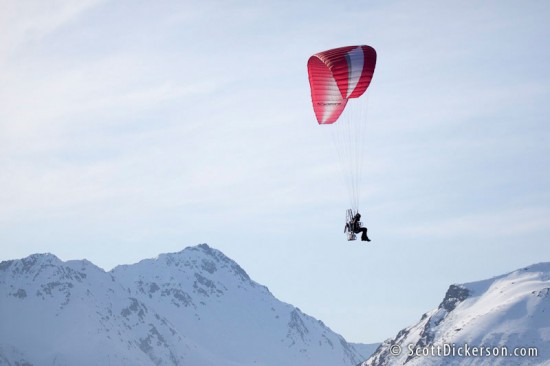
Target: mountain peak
205 248
30 263
200 250
201 258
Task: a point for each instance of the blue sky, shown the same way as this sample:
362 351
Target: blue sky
133 128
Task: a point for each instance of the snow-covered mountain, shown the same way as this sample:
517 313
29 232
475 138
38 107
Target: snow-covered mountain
501 321
196 307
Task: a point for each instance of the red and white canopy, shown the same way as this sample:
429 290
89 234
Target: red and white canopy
337 75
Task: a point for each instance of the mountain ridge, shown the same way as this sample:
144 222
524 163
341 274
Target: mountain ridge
509 311
195 306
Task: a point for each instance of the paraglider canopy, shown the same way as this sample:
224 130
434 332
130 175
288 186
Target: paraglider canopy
337 75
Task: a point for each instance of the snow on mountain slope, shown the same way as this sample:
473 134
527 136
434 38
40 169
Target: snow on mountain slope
195 307
207 294
509 313
55 312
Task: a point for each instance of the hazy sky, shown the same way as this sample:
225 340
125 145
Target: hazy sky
133 128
